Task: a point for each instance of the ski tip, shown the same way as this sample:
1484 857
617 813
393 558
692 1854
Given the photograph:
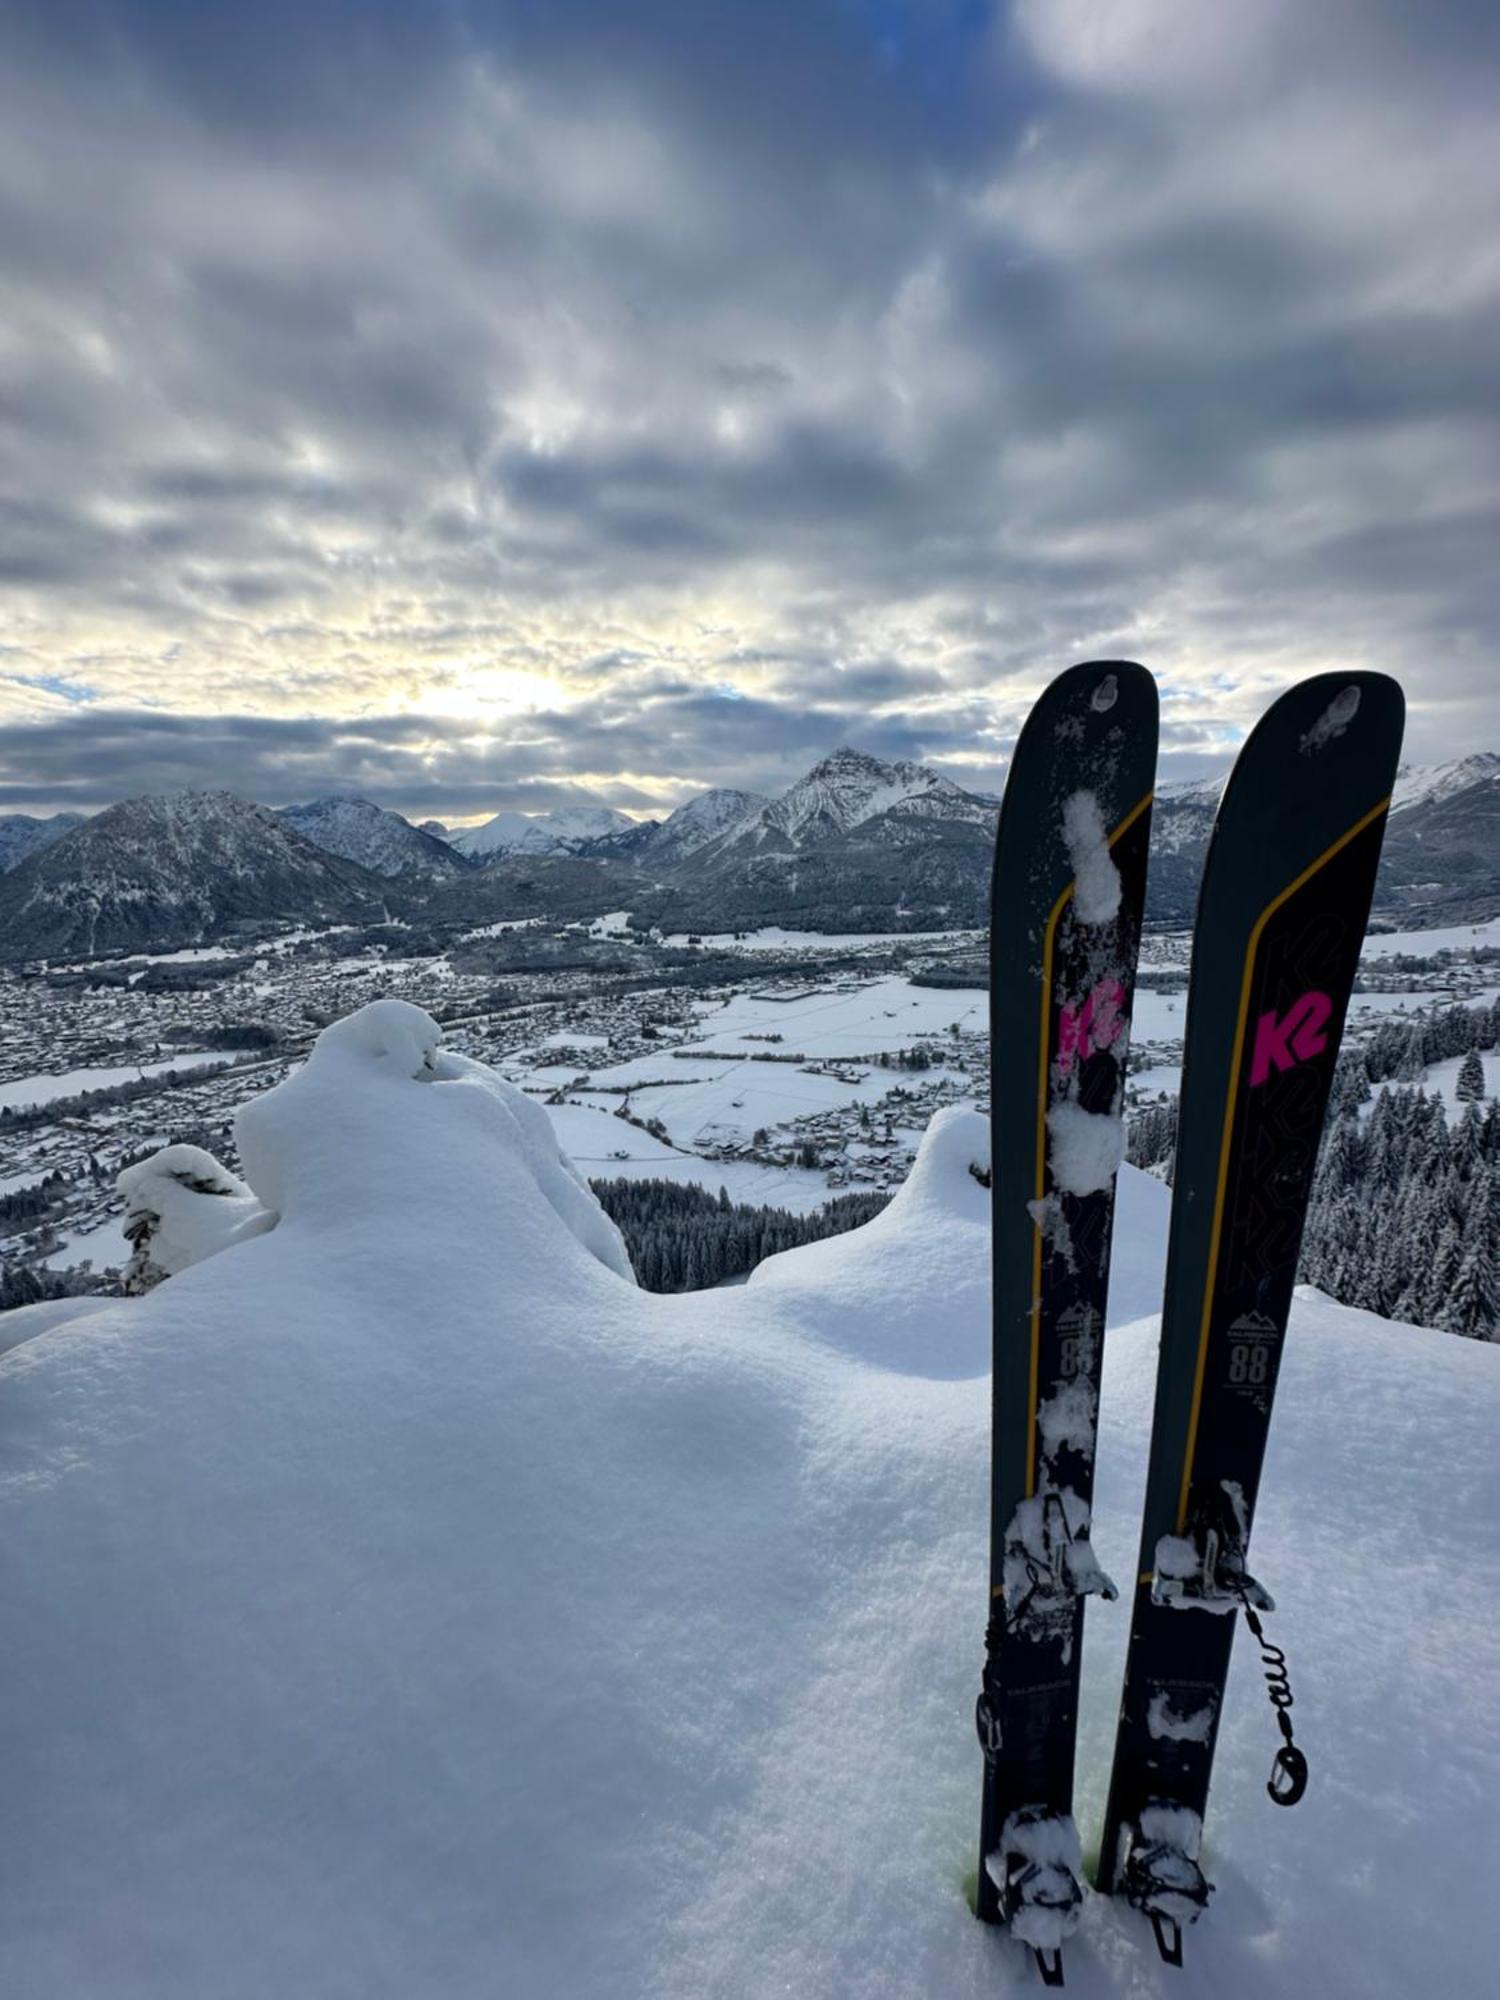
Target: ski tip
1113 691
1330 721
1109 683
1093 727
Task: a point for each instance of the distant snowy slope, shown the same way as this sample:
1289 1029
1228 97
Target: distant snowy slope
21 834
560 832
1430 784
848 788
400 1602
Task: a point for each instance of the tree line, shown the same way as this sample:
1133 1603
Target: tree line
681 1238
1404 1218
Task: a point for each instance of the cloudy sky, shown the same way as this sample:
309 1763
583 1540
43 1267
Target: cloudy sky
490 405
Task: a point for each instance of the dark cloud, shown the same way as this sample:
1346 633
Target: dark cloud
85 757
664 393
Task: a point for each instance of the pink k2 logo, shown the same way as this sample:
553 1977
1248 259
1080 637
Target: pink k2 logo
1097 1024
1293 1039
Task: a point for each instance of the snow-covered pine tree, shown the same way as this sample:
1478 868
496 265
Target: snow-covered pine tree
1412 1066
1470 1086
1442 1276
1474 1301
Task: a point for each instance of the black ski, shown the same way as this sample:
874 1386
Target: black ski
1281 918
1069 883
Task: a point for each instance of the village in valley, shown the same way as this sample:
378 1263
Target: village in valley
786 1070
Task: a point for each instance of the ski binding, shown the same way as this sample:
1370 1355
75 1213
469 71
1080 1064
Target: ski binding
1162 1878
1050 1562
1204 1570
1037 1869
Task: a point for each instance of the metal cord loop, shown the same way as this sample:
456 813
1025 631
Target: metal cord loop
1288 1779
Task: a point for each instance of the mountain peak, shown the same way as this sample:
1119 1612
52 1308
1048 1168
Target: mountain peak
169 869
346 824
1427 784
850 786
847 758
562 831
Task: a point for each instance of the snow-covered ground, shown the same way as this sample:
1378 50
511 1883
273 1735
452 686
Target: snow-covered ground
195 954
1377 1006
774 938
1425 944
737 1099
499 928
604 1147
400 1602
22 1091
100 1244
1161 950
853 1018
1441 1080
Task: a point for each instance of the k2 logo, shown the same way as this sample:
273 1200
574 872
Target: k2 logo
1097 1024
1295 1038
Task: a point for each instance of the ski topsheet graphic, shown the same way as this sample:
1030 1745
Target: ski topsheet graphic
1069 883
1281 917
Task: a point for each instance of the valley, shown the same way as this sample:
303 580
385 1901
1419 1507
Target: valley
786 1069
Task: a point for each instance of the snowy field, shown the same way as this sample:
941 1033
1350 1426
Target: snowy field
604 1147
859 1018
1378 1006
1163 950
1426 944
1441 1080
399 1602
99 1246
714 1088
23 1091
774 938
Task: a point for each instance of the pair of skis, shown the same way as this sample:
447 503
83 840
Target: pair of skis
1281 917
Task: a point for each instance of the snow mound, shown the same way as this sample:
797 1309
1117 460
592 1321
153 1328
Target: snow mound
874 1291
348 1131
405 1603
23 1323
181 1206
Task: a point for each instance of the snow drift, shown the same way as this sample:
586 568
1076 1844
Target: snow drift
398 1601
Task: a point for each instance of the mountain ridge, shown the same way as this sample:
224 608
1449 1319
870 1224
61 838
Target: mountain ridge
162 872
358 830
857 843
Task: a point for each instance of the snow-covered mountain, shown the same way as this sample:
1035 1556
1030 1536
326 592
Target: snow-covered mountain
157 873
713 816
1182 813
1441 859
379 840
21 835
400 1601
857 843
1440 862
1430 784
564 831
849 788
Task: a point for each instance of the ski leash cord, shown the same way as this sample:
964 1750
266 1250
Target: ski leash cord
1288 1779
